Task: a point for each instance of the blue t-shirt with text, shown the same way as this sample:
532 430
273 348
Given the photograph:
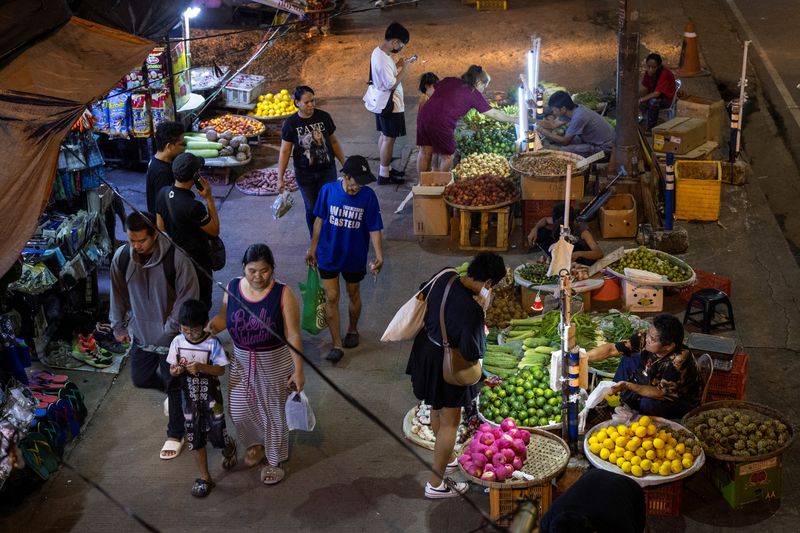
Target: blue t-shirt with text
346 224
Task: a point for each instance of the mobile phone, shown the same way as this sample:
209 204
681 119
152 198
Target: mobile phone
197 183
412 58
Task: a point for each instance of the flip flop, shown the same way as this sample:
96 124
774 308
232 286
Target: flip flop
271 475
253 455
73 395
47 376
202 488
63 414
171 446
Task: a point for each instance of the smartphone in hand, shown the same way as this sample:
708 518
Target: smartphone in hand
197 183
411 59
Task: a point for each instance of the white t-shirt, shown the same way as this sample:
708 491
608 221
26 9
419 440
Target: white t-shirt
183 352
384 76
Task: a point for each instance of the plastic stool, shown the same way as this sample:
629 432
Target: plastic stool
708 300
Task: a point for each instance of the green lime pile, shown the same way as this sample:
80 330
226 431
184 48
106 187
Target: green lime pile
525 396
645 259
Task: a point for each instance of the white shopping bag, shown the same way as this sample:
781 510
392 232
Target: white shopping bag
282 204
298 412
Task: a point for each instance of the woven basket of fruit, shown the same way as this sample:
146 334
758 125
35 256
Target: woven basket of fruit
673 271
544 163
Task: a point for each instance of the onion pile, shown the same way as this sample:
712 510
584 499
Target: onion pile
481 191
264 182
495 454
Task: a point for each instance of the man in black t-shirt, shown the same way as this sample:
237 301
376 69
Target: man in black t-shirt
169 145
186 220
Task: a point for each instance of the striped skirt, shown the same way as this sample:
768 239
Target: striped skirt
257 395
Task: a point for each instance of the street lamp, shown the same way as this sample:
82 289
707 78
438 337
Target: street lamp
190 13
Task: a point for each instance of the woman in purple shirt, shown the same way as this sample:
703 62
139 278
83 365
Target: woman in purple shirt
451 100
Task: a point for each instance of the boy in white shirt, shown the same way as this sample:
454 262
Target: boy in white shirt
198 358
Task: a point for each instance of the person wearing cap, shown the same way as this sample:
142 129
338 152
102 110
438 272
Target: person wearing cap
187 221
348 218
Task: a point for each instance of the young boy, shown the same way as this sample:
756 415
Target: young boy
199 359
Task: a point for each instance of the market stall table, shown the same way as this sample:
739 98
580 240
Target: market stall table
220 167
504 223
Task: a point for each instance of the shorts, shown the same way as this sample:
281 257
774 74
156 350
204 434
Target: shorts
441 140
392 125
349 277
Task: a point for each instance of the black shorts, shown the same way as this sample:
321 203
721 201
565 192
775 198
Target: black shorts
391 125
349 277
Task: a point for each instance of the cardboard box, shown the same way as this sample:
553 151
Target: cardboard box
743 483
643 298
430 211
551 189
618 217
712 111
679 135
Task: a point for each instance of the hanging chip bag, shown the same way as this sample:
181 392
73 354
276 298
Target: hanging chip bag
140 115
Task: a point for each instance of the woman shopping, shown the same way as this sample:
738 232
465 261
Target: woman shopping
465 329
308 136
260 315
451 100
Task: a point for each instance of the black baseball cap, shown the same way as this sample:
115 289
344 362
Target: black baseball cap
186 165
356 167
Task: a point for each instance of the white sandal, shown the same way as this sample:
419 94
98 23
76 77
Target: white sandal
170 445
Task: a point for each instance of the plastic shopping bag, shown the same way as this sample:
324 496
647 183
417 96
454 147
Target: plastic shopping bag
314 318
298 412
282 204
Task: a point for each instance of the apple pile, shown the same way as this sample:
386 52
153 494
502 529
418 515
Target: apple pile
494 454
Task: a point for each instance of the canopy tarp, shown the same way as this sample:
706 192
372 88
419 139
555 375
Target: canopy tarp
43 90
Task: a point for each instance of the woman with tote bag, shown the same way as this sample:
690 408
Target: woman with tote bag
464 301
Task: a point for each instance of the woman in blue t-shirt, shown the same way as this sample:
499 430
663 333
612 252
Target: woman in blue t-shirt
308 137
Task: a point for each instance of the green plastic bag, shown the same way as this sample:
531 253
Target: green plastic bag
314 318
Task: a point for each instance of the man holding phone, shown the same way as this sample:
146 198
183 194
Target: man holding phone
384 97
186 220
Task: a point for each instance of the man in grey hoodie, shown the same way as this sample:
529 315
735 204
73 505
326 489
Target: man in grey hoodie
150 279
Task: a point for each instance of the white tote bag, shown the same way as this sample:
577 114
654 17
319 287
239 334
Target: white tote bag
409 319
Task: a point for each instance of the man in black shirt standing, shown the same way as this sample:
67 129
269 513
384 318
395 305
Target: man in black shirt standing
187 221
169 145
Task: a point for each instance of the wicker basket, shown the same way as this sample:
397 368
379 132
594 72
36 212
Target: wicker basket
549 154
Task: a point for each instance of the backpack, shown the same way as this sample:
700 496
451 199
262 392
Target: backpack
168 262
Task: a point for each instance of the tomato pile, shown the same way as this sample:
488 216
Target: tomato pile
236 124
481 191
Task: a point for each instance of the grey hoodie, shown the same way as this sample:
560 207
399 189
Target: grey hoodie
145 292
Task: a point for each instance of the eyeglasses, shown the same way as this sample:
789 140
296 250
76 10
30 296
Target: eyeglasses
652 338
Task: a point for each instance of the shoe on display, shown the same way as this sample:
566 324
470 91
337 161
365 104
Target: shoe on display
445 491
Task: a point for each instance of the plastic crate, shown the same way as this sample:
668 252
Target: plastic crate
488 5
503 503
698 188
243 89
706 280
730 385
664 500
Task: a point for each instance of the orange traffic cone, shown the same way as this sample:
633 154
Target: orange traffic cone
689 64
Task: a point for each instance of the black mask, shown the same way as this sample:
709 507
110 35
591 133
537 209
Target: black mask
396 50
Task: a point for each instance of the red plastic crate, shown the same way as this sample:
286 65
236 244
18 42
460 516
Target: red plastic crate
729 385
706 280
664 500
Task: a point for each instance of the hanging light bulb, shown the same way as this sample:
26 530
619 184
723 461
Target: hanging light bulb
537 306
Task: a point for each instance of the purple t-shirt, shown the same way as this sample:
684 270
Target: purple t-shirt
450 101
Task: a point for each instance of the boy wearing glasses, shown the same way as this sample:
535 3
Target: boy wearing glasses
198 359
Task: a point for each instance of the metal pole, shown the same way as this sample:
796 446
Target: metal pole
669 194
742 98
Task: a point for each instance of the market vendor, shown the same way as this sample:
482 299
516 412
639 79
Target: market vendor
587 133
451 100
657 90
656 375
547 231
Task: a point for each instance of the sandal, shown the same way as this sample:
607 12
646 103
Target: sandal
254 455
271 475
229 458
49 377
175 446
202 488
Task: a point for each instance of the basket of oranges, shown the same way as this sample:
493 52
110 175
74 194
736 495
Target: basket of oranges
650 450
273 107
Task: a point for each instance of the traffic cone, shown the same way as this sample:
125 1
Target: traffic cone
689 64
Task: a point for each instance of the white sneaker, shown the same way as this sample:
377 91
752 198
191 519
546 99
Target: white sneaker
451 467
166 406
444 491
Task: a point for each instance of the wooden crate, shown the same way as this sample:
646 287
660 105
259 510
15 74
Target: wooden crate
503 503
698 189
463 224
491 5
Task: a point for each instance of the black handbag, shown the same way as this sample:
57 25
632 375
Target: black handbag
217 252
